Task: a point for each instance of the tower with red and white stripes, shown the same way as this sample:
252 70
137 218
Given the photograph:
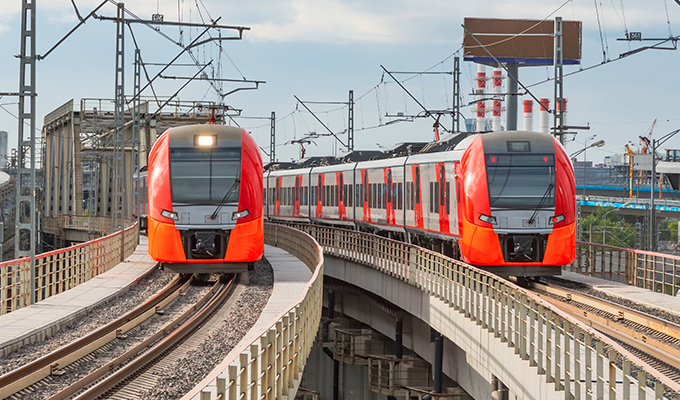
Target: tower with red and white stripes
479 96
497 93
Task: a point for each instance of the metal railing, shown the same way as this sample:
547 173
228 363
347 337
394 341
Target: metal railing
60 270
577 359
654 271
82 223
270 366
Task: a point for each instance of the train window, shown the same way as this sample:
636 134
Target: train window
442 179
349 195
436 201
448 197
359 191
383 197
400 197
336 195
373 196
521 180
205 175
409 193
431 197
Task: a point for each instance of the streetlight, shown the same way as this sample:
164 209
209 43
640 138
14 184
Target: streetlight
599 143
652 208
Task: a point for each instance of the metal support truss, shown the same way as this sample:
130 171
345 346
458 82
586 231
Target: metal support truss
118 209
26 216
136 116
456 95
558 121
350 122
272 139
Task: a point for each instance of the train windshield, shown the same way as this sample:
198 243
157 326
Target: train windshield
521 180
206 176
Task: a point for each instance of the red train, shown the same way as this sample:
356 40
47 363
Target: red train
205 200
506 198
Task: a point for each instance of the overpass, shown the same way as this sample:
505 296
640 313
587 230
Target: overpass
491 336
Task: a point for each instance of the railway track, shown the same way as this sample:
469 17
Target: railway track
18 383
651 339
132 377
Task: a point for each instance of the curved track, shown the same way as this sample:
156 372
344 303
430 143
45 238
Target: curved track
54 362
653 340
160 346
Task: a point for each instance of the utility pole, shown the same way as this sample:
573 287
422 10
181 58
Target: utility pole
118 209
350 122
455 126
558 121
136 115
26 216
272 139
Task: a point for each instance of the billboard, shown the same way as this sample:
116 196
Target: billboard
521 41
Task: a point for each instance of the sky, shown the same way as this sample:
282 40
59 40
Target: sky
318 50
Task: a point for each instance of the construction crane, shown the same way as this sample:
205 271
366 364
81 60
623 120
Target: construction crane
647 139
630 153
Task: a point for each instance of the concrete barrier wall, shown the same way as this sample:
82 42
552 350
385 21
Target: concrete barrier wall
546 343
271 366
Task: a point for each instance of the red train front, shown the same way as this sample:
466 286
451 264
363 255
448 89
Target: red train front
205 200
518 203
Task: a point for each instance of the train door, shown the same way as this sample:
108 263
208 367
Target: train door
342 210
277 197
366 190
296 197
418 204
457 196
389 206
320 196
442 205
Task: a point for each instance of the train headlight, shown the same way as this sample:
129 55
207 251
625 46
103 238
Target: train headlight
205 140
488 219
170 214
556 219
239 214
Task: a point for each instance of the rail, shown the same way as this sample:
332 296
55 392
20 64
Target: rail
59 270
654 271
271 366
577 359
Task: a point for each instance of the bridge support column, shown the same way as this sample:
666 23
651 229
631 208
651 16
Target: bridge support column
437 342
399 338
499 390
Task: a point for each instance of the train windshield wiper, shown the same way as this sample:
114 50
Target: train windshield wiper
538 207
231 189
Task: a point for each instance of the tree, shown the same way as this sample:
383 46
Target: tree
608 228
668 230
